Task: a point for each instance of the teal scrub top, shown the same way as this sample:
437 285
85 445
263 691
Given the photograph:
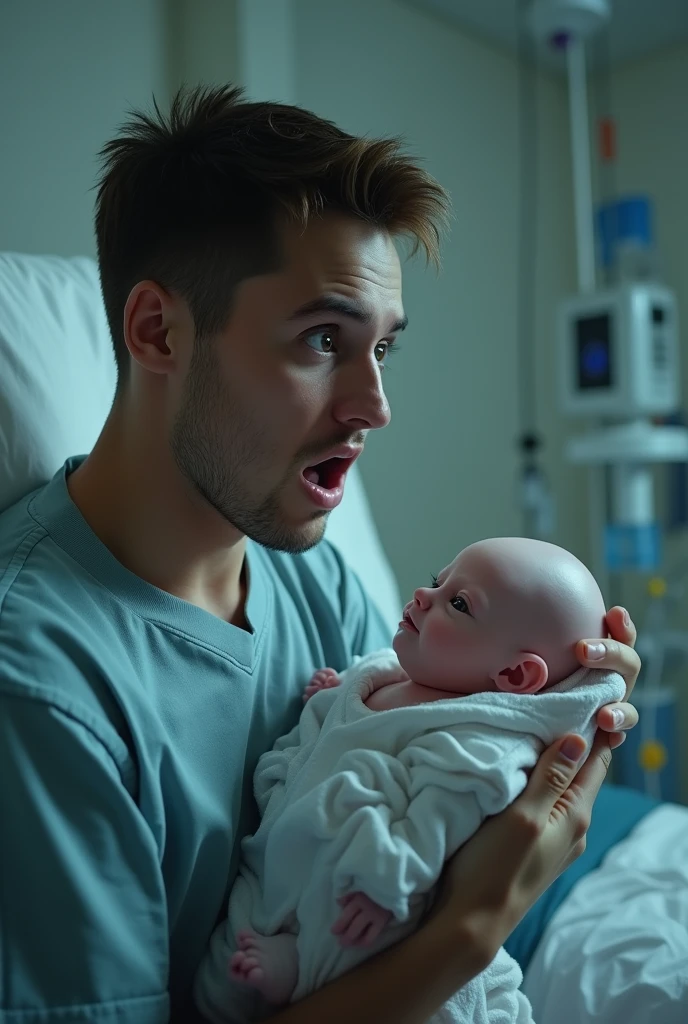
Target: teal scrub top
130 725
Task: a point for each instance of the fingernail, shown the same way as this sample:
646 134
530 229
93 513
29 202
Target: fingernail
571 749
618 718
593 652
627 619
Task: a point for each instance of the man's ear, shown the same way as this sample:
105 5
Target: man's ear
146 316
527 674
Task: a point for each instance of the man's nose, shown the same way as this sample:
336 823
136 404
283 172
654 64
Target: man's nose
361 402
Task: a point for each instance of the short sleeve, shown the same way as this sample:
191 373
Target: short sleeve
83 922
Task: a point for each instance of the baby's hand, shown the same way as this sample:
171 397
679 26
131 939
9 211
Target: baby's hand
323 679
361 921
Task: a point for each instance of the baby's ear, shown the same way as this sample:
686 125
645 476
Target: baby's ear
527 674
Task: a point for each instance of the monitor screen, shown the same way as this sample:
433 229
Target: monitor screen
594 362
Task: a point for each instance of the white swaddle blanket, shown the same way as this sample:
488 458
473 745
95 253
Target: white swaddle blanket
360 800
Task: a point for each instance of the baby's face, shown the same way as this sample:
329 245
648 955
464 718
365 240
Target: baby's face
452 635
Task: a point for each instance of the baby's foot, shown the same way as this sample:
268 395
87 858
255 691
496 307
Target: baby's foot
323 679
268 963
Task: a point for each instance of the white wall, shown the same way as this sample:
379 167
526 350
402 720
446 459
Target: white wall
202 42
68 72
443 474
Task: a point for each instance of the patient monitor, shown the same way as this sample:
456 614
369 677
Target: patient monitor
618 355
619 368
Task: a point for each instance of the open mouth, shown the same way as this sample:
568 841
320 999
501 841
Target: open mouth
328 474
324 481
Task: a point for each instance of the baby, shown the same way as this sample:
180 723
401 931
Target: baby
394 764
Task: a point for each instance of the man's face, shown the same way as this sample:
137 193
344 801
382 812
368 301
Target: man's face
276 408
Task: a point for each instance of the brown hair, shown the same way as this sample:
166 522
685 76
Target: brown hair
191 200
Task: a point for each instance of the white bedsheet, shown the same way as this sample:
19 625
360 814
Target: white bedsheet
616 951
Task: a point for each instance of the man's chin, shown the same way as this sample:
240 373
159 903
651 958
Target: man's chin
310 535
294 540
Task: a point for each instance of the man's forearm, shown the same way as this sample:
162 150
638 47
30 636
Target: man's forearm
404 985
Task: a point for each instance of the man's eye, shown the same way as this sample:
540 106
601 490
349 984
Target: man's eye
321 341
381 350
385 349
460 604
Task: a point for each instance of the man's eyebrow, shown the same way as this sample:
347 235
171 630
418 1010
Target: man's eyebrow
344 307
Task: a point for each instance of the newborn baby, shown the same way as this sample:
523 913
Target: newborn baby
394 764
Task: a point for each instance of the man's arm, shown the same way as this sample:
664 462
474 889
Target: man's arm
83 912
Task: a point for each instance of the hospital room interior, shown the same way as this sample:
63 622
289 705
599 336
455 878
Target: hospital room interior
541 387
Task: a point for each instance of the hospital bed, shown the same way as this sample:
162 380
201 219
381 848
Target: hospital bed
609 941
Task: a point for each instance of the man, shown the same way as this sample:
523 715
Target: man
149 651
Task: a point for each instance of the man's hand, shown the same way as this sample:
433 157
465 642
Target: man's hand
513 857
510 861
616 654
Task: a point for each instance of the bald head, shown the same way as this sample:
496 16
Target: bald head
539 596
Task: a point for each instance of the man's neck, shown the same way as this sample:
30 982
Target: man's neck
132 495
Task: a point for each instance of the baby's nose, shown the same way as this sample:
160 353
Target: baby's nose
422 597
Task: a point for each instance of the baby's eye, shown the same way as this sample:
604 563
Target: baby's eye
434 580
460 604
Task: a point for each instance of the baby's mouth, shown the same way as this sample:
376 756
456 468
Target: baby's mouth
409 621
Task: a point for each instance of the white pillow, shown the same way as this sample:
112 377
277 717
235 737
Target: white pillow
57 382
57 367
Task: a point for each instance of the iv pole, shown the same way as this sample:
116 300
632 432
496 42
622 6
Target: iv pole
565 24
